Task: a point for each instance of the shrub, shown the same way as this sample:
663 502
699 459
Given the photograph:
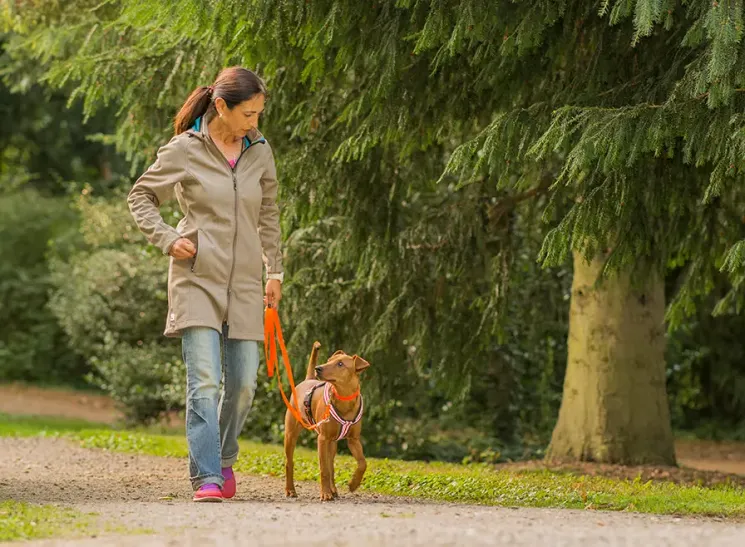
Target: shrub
33 347
110 298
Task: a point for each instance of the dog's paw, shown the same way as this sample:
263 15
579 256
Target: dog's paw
353 485
290 493
327 496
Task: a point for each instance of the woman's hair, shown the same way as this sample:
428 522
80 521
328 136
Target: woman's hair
234 85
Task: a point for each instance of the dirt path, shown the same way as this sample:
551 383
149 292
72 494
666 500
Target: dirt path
130 488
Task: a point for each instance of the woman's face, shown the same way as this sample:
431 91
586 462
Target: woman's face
243 117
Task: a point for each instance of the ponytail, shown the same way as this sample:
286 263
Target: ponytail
234 85
194 107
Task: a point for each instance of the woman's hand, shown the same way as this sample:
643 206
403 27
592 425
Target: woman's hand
273 293
183 248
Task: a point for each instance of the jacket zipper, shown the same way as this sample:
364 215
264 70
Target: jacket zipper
235 236
235 226
235 218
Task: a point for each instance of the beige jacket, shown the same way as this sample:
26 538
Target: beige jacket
231 216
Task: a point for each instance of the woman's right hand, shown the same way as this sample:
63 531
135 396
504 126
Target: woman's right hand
183 248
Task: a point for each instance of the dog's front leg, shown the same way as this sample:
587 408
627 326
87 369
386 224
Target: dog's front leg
332 465
355 447
324 455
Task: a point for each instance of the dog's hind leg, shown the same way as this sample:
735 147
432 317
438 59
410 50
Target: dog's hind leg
292 430
355 447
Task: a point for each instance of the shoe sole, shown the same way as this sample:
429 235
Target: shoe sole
208 499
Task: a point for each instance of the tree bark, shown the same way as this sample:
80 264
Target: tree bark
614 408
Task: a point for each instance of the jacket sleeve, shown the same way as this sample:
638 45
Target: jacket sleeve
269 230
154 187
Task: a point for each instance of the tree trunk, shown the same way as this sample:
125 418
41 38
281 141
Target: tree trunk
614 407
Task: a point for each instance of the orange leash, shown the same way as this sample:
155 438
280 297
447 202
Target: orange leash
272 332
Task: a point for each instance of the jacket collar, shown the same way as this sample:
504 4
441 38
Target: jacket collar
200 130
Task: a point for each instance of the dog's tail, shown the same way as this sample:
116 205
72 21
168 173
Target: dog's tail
311 373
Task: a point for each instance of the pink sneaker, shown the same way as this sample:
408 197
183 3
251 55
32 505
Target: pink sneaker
229 486
208 492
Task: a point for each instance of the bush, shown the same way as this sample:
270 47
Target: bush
110 298
706 374
33 347
146 380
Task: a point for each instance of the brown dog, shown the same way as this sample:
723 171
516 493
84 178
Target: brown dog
338 382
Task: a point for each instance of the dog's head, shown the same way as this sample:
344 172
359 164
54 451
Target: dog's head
341 369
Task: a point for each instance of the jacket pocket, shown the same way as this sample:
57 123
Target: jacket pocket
200 262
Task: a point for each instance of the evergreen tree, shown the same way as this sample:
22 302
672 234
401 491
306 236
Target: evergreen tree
620 120
46 146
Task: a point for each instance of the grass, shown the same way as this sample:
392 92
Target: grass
23 521
477 483
31 426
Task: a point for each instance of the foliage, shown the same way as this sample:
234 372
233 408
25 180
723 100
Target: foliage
706 375
630 123
49 148
372 229
33 347
110 298
146 380
44 152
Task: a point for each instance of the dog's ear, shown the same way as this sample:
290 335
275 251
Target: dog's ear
359 363
337 352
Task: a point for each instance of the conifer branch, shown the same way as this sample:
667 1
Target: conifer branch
509 202
428 246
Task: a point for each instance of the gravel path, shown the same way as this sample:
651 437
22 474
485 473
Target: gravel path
130 489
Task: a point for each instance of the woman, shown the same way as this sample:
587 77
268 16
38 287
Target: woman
221 171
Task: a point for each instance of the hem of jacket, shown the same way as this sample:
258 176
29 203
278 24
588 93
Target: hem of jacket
253 337
174 330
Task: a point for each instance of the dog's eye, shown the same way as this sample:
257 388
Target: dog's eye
340 364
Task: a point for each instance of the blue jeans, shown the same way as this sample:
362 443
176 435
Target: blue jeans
212 426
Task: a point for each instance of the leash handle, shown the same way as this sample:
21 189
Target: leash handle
272 333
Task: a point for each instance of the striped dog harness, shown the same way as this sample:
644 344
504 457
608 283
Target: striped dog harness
346 425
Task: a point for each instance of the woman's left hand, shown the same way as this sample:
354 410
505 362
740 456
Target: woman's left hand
273 293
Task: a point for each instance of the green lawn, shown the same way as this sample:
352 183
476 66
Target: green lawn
24 521
478 484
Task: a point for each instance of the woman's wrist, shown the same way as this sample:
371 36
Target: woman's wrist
278 276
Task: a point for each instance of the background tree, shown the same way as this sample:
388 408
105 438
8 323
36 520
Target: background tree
619 119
